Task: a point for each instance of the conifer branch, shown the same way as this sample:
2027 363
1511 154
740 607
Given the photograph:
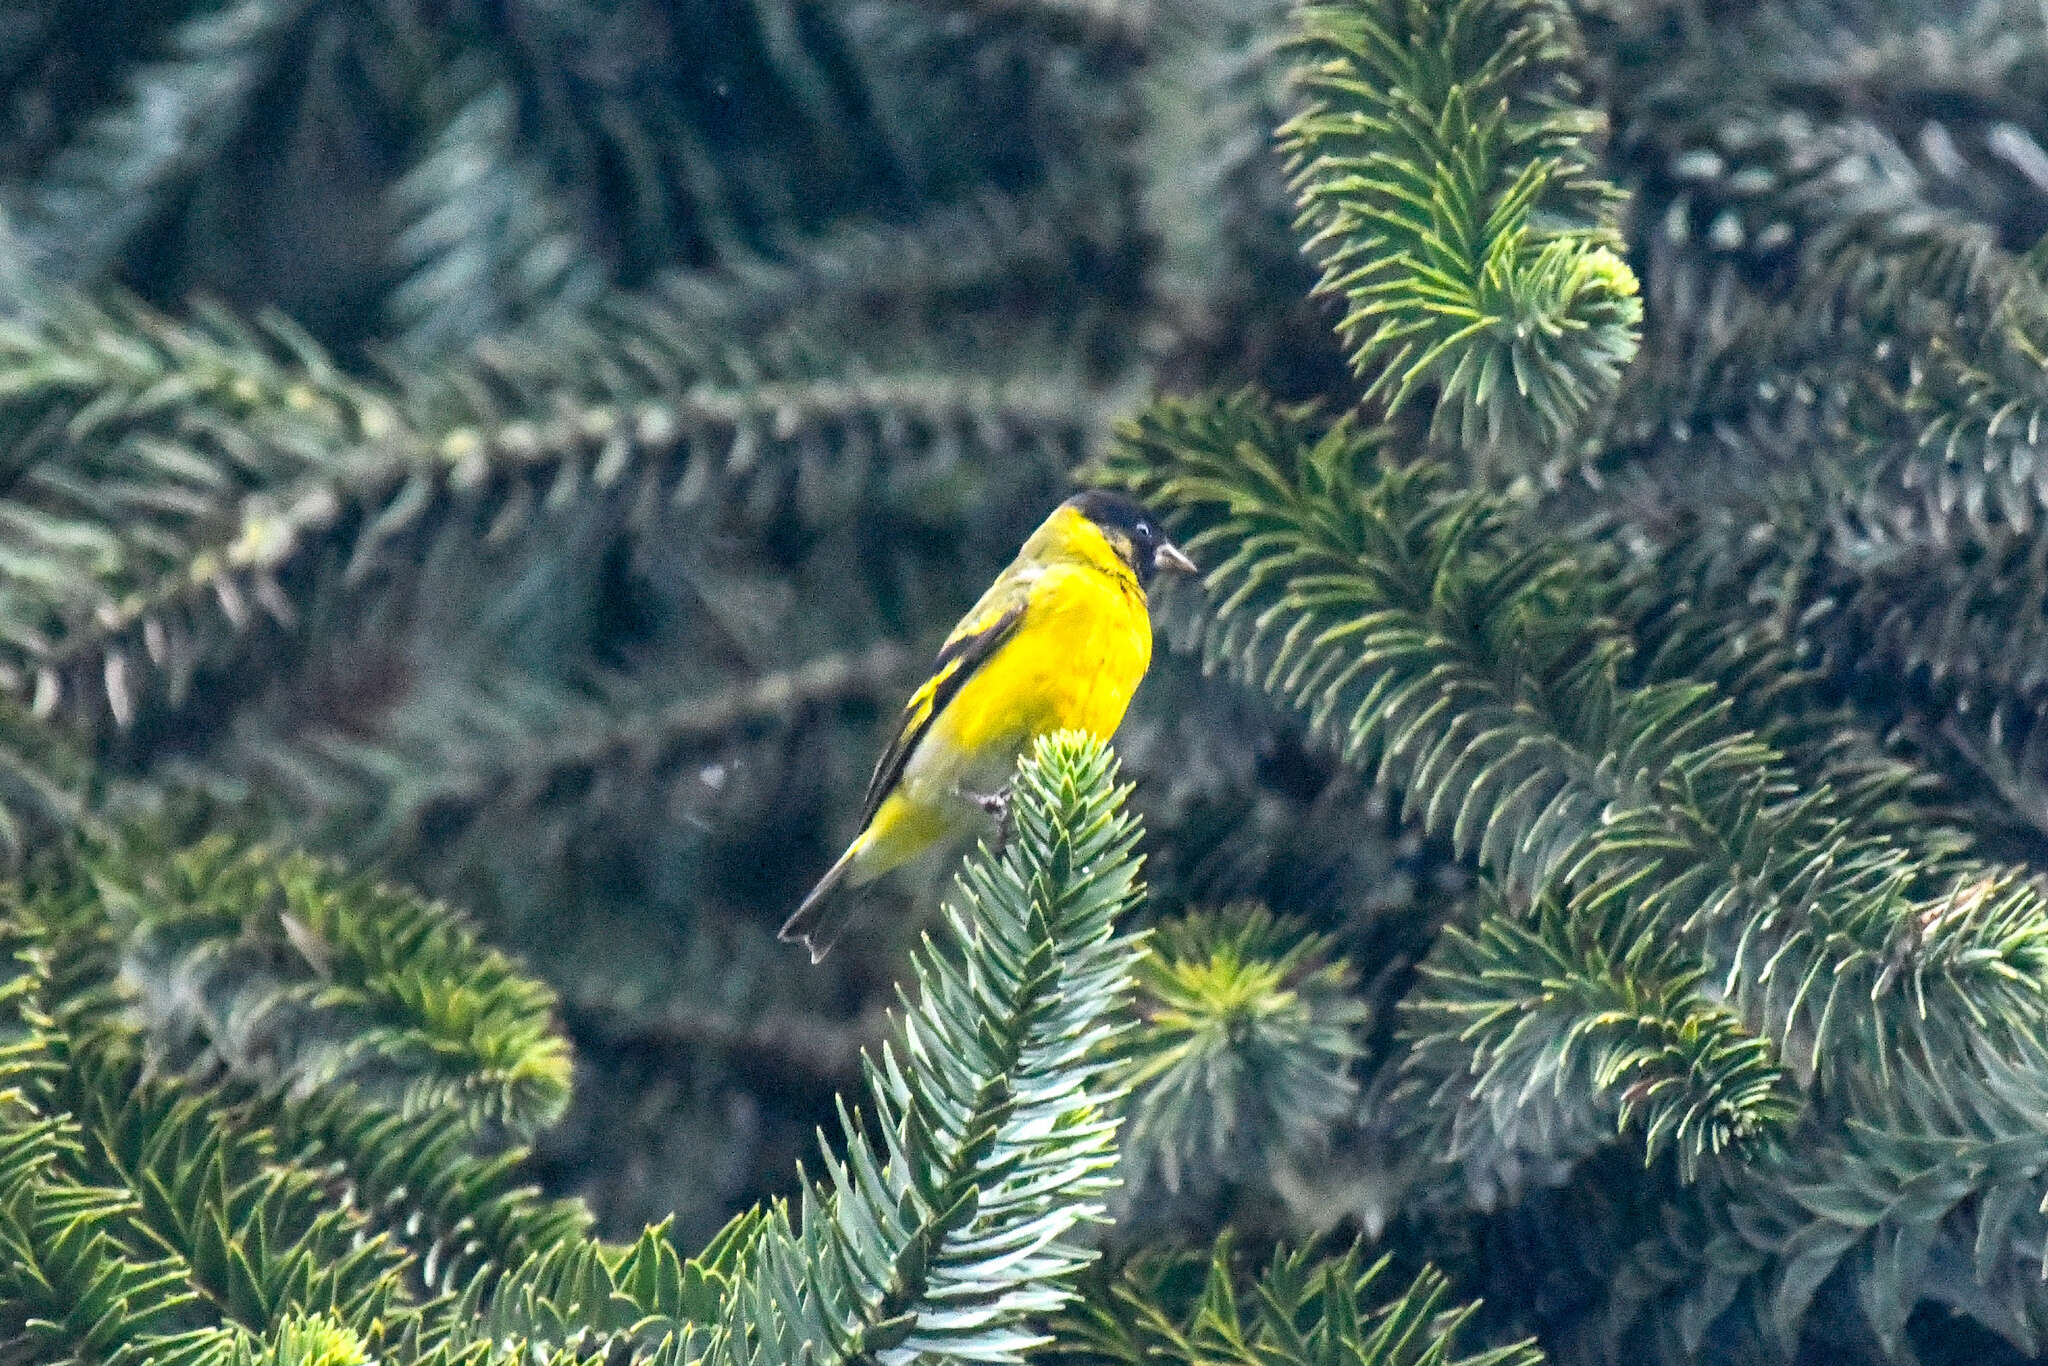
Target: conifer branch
74 1280
1778 621
257 1236
1466 668
179 114
1920 350
1447 174
1246 1033
117 1213
109 624
1798 596
1892 405
69 1287
464 1218
1976 403
488 244
1731 691
288 974
1327 571
434 797
1161 1309
864 297
142 454
271 1204
1929 1193
949 1220
1516 1022
581 1298
163 1221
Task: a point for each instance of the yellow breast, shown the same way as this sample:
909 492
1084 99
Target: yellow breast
1074 662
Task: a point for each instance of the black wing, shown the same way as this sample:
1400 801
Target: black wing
957 661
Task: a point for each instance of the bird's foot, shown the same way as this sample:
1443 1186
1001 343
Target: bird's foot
997 804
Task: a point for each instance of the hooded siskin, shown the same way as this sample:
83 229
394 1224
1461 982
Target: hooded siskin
1060 641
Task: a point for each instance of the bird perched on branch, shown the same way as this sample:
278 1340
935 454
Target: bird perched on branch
1059 641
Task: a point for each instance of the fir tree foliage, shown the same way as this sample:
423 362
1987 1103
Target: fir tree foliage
411 410
212 1216
1621 690
1526 1014
114 616
1426 643
1846 355
1446 168
1247 1039
1661 849
936 1236
156 1220
1299 1308
289 975
1585 720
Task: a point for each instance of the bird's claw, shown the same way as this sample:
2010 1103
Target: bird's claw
997 804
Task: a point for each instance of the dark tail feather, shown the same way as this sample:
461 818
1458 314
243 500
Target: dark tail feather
819 921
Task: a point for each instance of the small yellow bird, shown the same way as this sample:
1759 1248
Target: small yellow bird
1059 641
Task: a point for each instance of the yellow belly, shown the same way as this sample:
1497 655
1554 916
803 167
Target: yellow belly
1074 663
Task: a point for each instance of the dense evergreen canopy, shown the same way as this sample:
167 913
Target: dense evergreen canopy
477 479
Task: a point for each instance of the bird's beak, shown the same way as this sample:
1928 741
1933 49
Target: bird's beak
1169 556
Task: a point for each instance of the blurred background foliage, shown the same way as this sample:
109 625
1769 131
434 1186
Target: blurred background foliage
529 450
526 449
